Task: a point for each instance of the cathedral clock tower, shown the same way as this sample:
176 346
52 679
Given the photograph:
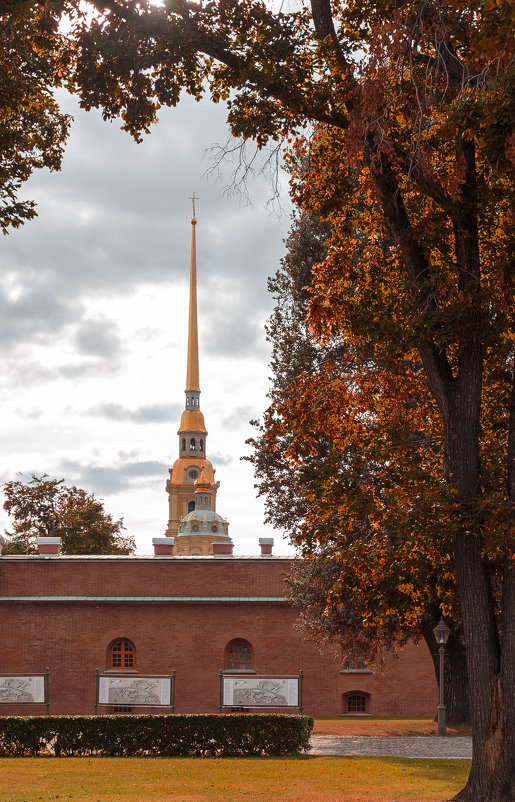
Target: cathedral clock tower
192 487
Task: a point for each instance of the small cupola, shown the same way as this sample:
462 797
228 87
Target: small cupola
203 498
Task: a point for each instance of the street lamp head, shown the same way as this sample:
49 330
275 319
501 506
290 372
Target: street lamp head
441 633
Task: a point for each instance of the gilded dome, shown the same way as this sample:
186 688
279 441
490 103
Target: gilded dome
192 420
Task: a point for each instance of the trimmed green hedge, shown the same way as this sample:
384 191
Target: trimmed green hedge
164 736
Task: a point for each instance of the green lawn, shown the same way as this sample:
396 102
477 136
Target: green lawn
302 779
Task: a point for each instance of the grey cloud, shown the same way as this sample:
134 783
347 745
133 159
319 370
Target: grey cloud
148 468
150 413
231 320
82 370
25 373
118 213
98 338
239 417
36 312
128 456
220 459
116 217
234 335
106 480
30 414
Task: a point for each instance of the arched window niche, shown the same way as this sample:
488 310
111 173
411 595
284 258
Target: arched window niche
356 703
239 657
121 655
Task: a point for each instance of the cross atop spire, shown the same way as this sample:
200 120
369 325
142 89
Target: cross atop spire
193 198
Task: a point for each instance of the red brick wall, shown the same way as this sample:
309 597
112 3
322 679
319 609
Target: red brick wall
133 576
72 638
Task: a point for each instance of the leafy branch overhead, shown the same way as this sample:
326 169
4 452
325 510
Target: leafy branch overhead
376 70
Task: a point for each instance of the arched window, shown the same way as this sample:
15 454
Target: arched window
191 506
184 444
192 444
121 654
239 655
201 444
355 703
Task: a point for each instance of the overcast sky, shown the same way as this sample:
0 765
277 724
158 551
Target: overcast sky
93 316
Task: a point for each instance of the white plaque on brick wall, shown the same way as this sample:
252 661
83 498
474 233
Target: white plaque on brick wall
22 690
261 692
149 691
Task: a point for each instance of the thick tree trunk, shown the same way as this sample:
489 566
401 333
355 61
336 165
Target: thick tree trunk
492 775
489 665
456 385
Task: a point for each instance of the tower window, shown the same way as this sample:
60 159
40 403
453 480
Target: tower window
184 444
191 506
122 654
201 444
192 444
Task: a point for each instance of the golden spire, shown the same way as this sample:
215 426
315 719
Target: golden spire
192 373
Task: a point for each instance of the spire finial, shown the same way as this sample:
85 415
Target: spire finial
193 198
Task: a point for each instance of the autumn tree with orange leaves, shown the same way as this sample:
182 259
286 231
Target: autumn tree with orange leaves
33 130
414 100
366 585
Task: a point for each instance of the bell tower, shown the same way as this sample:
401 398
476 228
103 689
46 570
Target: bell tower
192 468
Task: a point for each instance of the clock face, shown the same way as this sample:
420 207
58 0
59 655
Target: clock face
193 473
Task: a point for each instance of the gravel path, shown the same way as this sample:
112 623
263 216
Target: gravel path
375 746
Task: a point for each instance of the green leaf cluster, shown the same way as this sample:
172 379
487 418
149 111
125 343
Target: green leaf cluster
46 507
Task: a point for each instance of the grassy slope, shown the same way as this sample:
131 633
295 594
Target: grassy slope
303 779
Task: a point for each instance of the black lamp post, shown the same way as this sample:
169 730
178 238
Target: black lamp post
441 632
